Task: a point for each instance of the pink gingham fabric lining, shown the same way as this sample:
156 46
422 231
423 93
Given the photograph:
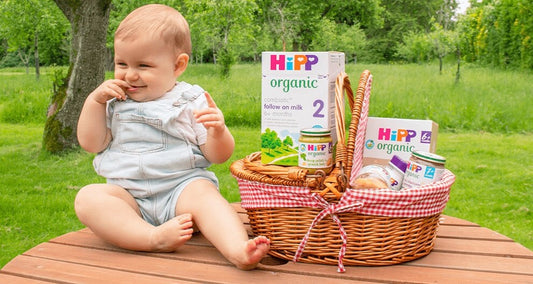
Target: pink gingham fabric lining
422 201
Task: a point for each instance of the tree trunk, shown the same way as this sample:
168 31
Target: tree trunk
25 59
89 21
458 72
440 64
36 55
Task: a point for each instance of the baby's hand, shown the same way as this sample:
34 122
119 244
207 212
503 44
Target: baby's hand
109 89
211 117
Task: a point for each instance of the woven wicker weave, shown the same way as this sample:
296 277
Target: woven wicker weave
371 240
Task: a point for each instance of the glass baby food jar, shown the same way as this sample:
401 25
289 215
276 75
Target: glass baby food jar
315 150
396 168
423 168
372 177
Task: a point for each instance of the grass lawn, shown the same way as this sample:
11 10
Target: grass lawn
493 187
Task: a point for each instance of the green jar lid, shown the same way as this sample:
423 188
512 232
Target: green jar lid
429 157
315 132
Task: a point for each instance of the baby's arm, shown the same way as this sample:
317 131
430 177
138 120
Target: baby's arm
220 143
93 134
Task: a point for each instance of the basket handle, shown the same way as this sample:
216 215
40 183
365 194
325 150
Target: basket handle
357 127
345 148
337 181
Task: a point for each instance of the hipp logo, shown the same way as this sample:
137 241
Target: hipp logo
396 135
282 62
404 135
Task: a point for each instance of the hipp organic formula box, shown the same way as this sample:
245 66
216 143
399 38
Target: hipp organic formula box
297 92
386 137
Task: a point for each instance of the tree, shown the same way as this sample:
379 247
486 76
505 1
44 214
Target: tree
270 140
278 22
340 37
401 17
288 141
416 47
226 25
26 23
443 42
89 21
499 33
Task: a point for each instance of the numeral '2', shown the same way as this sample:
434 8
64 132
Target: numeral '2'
318 112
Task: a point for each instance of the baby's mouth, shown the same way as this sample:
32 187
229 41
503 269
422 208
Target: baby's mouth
135 88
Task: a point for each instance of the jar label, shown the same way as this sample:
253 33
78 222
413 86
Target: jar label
418 174
315 155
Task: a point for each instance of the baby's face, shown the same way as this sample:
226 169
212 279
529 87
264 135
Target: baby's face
147 65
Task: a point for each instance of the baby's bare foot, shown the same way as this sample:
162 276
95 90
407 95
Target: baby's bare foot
172 234
254 250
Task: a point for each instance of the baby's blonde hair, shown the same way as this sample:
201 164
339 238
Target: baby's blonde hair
157 20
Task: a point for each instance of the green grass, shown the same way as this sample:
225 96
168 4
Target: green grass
485 133
484 99
36 190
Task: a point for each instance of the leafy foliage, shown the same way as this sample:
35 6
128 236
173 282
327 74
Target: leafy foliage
498 33
34 29
270 139
495 32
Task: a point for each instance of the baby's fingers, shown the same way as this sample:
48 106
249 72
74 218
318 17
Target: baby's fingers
117 89
210 101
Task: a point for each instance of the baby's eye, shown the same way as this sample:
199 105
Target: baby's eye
121 64
144 65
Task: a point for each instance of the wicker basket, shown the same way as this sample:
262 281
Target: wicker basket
296 224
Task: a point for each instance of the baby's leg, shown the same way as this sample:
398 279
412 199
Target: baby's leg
112 213
220 224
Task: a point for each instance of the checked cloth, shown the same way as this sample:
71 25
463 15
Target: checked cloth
423 201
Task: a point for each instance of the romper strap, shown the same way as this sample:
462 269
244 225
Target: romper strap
188 96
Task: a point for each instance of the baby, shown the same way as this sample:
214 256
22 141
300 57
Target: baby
155 137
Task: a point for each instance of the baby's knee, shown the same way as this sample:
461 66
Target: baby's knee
82 199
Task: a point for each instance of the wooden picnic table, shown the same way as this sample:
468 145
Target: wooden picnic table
464 253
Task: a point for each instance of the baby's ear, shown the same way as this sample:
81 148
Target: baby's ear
181 64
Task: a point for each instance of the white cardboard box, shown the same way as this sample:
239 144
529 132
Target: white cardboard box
297 92
386 137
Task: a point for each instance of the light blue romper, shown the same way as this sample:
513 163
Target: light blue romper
151 155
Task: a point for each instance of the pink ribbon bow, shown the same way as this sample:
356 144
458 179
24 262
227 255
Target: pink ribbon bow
331 209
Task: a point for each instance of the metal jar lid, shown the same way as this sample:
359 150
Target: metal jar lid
315 132
429 157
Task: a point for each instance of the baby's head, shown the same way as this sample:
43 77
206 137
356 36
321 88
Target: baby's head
161 22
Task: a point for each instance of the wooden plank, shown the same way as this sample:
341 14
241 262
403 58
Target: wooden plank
204 252
87 238
467 232
58 271
450 220
482 247
208 269
495 264
407 274
442 262
470 246
16 279
464 253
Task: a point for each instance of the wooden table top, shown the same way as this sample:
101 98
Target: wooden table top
464 253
